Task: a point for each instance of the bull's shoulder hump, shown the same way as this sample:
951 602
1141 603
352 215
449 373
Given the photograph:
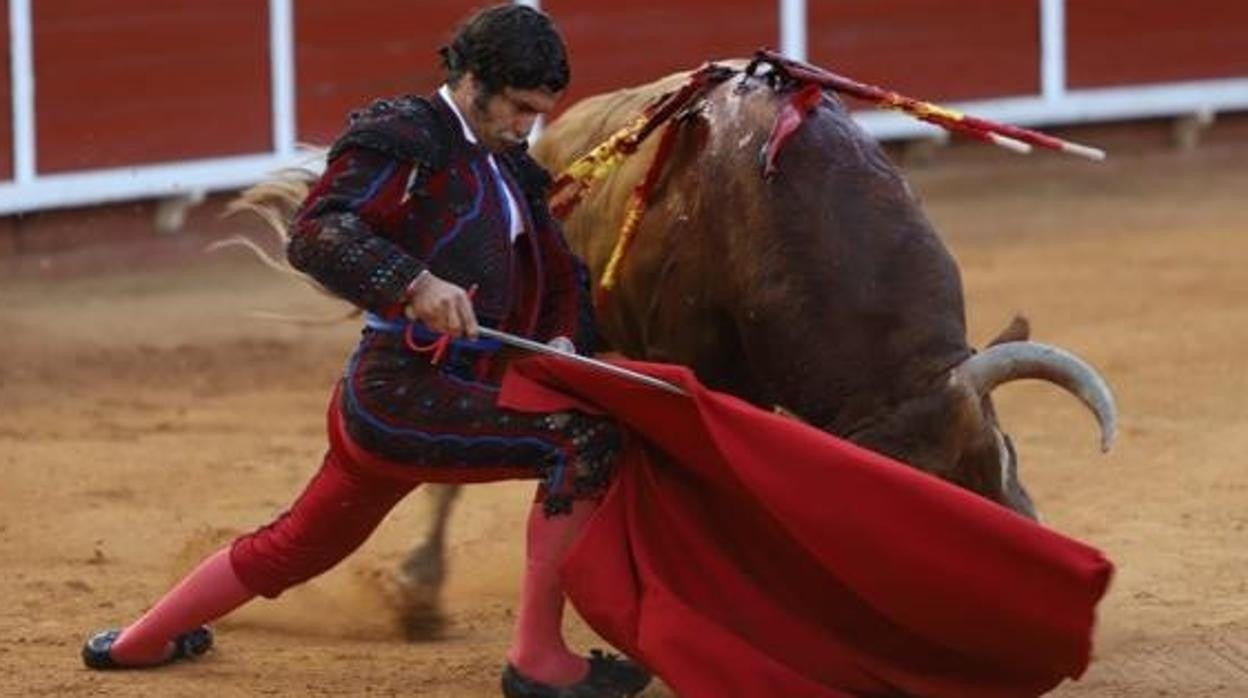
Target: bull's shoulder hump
631 100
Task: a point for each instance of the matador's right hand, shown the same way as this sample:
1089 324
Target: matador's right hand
441 305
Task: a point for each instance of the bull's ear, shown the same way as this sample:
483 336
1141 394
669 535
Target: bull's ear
1019 330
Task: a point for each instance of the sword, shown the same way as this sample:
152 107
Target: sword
538 347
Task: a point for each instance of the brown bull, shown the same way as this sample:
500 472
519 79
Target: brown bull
822 289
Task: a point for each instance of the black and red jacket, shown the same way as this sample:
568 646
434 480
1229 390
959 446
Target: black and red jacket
405 191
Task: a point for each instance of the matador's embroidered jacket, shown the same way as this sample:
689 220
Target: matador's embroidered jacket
405 191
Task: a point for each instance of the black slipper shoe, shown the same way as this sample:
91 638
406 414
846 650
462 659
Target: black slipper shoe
609 677
188 645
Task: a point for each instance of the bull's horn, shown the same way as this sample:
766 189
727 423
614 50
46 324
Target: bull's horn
1016 360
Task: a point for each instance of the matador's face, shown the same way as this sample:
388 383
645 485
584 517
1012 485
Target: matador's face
504 119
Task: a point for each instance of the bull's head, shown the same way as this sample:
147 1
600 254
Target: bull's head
952 431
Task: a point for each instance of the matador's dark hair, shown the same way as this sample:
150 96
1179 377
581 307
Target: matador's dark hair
508 46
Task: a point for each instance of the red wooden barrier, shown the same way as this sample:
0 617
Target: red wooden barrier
143 81
615 45
938 51
349 53
1110 45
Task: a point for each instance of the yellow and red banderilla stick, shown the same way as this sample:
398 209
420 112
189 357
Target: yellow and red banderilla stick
1012 137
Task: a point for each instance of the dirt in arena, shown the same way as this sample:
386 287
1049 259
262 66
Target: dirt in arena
144 417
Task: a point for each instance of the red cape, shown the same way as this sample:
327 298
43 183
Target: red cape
741 553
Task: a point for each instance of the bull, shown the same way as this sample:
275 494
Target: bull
821 289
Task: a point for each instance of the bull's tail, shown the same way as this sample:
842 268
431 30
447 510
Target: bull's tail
276 201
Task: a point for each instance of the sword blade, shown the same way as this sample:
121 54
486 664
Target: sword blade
538 347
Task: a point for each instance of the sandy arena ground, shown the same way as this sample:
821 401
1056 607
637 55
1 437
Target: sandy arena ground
143 416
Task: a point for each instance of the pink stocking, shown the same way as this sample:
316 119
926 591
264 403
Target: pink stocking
209 592
537 649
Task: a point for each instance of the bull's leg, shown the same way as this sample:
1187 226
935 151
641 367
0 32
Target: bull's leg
422 572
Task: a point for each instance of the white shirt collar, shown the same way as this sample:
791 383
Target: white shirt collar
445 93
513 209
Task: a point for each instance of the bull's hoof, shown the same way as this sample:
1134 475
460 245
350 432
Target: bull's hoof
419 616
418 594
417 608
410 609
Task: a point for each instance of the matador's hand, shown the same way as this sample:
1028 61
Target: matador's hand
442 306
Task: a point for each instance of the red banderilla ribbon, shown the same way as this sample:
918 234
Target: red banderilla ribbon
438 346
